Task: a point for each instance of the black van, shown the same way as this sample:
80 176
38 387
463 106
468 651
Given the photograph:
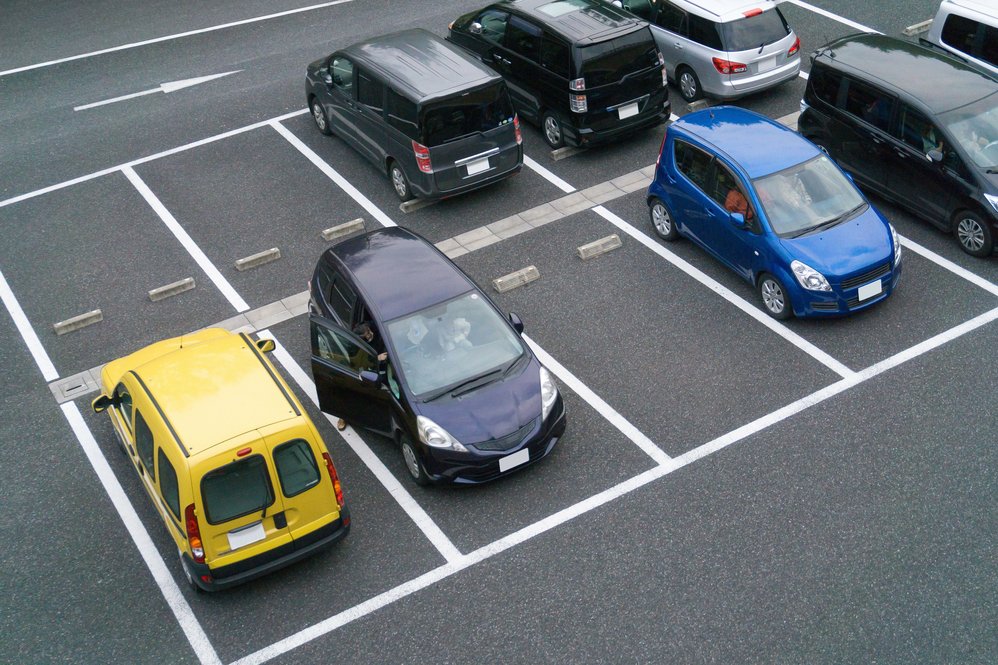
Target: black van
436 121
913 125
586 71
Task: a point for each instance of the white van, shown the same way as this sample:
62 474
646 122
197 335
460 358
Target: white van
968 29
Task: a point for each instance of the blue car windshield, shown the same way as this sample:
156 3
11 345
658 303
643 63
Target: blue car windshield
807 196
450 343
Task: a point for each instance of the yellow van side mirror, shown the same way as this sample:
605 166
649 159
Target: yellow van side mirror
265 345
100 404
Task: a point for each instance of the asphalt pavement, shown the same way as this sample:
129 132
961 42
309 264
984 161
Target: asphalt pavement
728 490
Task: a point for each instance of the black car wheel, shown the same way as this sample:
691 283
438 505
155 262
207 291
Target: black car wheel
412 464
319 116
662 221
399 182
973 234
689 84
774 298
551 129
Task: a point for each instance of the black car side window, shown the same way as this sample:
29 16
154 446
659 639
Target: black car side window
869 104
825 84
337 347
341 70
523 38
918 132
493 25
693 163
370 92
342 298
555 56
402 114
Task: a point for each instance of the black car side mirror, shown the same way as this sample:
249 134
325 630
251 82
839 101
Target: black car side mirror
475 28
935 155
373 378
517 323
327 78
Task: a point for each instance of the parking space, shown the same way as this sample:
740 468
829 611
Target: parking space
247 194
658 347
98 245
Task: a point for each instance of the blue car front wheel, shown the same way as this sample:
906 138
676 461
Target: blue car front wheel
775 299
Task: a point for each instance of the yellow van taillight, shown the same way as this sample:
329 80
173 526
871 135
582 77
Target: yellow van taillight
334 477
194 534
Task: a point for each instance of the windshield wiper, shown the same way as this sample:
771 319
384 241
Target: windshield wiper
455 389
828 223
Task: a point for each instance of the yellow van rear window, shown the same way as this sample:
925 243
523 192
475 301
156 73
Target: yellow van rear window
236 489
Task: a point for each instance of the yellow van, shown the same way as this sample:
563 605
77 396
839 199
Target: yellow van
233 464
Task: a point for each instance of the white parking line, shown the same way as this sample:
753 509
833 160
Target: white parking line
150 555
711 283
27 332
547 175
415 512
834 17
977 280
181 235
601 407
166 38
332 174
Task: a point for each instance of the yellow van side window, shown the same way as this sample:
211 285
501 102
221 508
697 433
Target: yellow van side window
168 484
144 444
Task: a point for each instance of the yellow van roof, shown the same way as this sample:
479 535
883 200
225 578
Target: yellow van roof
212 387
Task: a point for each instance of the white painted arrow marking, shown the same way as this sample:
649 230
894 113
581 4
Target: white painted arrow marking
168 87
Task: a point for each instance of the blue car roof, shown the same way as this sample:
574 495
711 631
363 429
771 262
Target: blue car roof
757 144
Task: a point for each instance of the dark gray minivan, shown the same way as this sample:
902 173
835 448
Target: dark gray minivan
435 120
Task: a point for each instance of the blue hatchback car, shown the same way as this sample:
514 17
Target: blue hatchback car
771 206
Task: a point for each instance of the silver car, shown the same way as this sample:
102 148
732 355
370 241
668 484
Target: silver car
721 48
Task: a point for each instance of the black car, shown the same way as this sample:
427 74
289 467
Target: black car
913 125
405 344
432 118
586 71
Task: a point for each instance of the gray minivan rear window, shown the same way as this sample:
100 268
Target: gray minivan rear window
610 61
471 113
754 31
236 489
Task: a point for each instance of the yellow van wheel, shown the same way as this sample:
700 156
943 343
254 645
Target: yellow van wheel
187 573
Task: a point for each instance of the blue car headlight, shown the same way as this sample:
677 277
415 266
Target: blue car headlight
436 436
549 393
809 278
897 245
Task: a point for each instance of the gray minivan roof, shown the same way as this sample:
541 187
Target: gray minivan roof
936 80
420 64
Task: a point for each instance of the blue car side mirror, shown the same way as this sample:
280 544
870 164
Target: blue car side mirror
738 219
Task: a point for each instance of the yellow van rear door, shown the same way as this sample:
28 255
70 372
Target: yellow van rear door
305 485
241 510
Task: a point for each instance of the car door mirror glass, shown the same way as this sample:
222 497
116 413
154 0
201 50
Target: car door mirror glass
475 28
517 323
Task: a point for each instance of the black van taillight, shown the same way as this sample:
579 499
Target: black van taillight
422 154
516 128
794 48
334 477
194 534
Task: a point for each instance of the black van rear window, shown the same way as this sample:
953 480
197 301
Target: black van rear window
610 61
470 113
754 31
236 489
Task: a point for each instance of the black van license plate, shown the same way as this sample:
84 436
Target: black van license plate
478 166
627 111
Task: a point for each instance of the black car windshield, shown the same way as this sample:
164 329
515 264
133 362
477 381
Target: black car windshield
470 113
754 31
610 61
806 196
975 128
448 344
